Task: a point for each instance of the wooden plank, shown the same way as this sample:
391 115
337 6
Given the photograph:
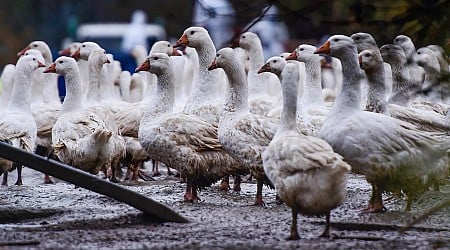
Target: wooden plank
154 209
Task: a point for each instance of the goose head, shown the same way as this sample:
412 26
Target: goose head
41 46
364 41
70 49
98 57
338 46
368 59
274 65
62 65
406 44
29 63
164 47
85 50
193 37
392 53
156 63
425 57
36 53
246 41
304 53
224 57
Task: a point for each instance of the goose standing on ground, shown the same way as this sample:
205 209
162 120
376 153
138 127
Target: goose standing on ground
17 125
80 137
7 85
393 155
184 142
308 176
45 113
50 91
242 134
206 100
263 89
371 62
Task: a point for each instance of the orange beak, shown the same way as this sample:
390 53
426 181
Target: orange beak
175 52
265 68
213 65
76 54
182 41
64 52
234 43
292 56
324 49
22 52
145 66
51 68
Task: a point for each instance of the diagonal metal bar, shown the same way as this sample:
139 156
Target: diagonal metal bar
156 210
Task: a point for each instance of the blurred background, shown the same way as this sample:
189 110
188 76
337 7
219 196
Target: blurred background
286 24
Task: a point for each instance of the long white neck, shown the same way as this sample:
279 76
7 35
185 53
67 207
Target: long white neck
349 99
84 76
107 84
312 89
163 99
38 81
93 88
206 85
73 100
236 99
21 92
289 88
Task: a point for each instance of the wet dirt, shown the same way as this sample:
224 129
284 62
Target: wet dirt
39 216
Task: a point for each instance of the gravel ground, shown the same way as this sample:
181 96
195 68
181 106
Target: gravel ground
38 216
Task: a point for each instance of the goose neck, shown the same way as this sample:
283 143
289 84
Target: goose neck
164 97
289 88
312 90
93 88
21 92
237 96
74 96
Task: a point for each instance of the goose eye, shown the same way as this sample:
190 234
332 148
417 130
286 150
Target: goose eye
35 45
336 40
155 58
34 59
357 38
168 45
243 36
84 45
275 61
192 32
418 53
61 62
301 49
367 55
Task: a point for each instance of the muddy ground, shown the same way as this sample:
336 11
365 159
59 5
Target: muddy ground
38 216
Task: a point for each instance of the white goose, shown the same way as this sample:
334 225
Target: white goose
7 85
434 83
80 137
393 155
206 100
17 125
416 72
308 176
184 142
124 85
371 62
50 91
242 134
82 64
263 89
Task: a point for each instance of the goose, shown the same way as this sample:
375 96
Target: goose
80 137
393 155
184 142
263 89
138 81
371 62
141 86
434 83
416 72
124 84
45 113
190 72
331 76
242 134
17 125
6 80
206 99
308 176
312 107
404 88
50 91
301 69
366 41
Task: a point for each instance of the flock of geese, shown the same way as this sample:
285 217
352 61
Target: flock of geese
292 123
